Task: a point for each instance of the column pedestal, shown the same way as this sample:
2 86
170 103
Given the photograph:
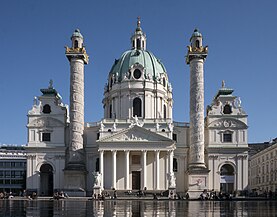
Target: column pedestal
197 182
75 183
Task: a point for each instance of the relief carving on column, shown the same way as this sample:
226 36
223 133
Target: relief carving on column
197 113
77 67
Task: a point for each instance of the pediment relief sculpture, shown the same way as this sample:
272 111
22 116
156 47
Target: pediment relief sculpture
227 123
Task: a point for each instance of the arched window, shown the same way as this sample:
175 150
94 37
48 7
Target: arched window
227 109
76 44
137 107
197 44
164 111
111 111
175 165
97 165
46 109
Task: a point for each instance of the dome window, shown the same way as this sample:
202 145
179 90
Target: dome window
46 109
227 109
137 107
137 74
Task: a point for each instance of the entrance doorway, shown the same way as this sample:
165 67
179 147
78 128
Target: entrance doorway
227 179
136 180
46 180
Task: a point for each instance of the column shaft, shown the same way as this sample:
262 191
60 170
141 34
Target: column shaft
144 169
157 159
127 163
114 169
101 159
197 113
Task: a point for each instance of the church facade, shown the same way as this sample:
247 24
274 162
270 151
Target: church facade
137 145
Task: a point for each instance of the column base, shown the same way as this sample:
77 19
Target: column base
197 181
75 183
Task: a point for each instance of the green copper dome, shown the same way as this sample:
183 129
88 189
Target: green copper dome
152 66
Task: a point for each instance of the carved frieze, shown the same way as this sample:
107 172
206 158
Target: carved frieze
46 122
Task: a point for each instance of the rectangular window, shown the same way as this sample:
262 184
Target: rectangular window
227 137
46 137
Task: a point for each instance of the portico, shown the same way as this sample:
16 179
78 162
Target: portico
135 164
140 162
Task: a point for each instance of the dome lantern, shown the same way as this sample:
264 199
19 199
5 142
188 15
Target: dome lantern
138 39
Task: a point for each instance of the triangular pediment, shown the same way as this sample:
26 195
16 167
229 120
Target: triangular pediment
135 134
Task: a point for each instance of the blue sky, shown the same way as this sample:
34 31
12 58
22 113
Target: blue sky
241 36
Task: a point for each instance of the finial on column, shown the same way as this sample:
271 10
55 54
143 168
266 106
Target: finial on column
223 84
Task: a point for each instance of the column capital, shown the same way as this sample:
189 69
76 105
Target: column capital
144 151
114 151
